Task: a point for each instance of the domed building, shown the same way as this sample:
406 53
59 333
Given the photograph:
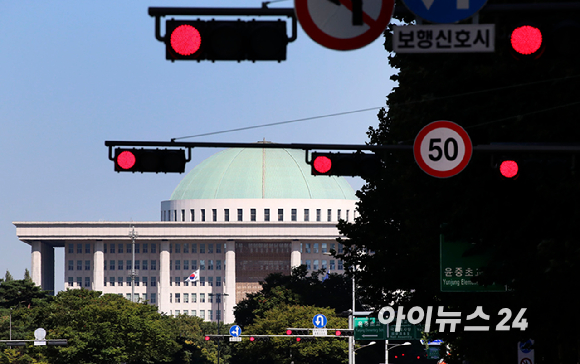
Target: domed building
236 217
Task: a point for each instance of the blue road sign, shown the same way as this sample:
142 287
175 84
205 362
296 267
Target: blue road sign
235 331
319 321
444 11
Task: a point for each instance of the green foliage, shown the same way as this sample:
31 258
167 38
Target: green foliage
295 289
531 225
8 277
286 350
18 293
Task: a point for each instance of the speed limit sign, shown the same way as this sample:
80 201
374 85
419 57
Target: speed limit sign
442 149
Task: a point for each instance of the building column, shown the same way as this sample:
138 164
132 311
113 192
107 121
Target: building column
98 267
36 263
295 256
164 288
230 282
42 265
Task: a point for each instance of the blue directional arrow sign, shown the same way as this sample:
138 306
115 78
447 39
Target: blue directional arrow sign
235 331
444 11
319 321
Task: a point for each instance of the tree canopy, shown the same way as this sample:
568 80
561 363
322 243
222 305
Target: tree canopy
529 224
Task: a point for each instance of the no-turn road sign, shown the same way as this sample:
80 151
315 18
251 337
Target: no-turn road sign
344 24
442 149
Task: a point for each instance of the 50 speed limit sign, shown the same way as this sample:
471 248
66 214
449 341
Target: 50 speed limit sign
442 149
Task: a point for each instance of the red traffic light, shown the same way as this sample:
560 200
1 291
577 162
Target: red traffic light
338 333
509 169
527 40
185 40
288 332
252 338
322 164
126 160
207 338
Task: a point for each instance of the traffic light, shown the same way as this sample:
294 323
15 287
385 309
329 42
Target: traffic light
215 337
547 34
300 334
345 164
508 168
344 332
257 338
225 40
149 160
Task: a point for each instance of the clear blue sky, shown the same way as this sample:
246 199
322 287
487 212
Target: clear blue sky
74 74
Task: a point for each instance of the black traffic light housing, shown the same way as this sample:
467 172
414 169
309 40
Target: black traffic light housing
345 164
225 40
149 160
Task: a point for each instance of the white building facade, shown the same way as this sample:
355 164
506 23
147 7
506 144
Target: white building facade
238 216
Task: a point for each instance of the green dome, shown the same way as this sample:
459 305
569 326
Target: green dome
259 173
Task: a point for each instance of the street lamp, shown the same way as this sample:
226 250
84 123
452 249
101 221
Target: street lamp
218 314
367 345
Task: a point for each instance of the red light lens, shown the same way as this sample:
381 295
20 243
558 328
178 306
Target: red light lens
185 40
252 338
338 333
126 160
508 169
322 164
526 39
207 338
297 339
288 332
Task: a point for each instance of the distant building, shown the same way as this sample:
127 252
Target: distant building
239 215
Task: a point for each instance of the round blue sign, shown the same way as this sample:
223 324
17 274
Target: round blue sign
235 331
319 321
444 11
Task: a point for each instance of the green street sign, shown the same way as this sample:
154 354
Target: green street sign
457 268
369 328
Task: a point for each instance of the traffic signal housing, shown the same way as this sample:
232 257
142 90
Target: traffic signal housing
344 332
226 40
149 160
345 164
215 337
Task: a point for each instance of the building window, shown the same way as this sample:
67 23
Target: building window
210 248
202 214
177 298
329 215
88 248
315 246
210 264
137 248
338 215
202 264
201 248
71 265
266 214
120 248
129 281
318 213
145 265
120 281
87 265
194 298
308 266
315 264
209 314
192 213
104 248
202 281
129 248
153 265
280 214
182 215
136 281
240 214
332 267
153 284
340 248
178 265
112 248
177 281
186 264
218 281
202 314
79 265
307 247
347 211
202 297
79 281
128 296
226 214
129 264
194 248
252 214
71 248
120 264
218 315
340 267
111 265
111 281
71 281
293 215
210 281
186 248
178 248
306 215
153 248
218 248
153 298
324 248
218 265
324 266
193 264
137 265
186 298
214 214
144 281
145 248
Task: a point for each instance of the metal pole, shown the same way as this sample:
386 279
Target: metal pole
133 236
386 351
218 317
351 325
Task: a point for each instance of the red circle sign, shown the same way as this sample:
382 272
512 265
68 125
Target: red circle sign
442 149
344 24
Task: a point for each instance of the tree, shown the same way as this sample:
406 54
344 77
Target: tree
8 277
20 293
286 350
530 225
